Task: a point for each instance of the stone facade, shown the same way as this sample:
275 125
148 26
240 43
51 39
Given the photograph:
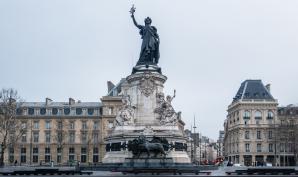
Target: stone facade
62 132
250 136
287 137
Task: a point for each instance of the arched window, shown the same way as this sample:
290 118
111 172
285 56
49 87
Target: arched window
54 111
31 111
246 115
66 111
258 115
90 111
78 111
42 111
270 115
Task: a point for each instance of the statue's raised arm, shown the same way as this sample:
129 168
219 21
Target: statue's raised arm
132 11
149 54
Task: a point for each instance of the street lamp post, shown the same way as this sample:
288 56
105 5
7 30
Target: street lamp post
195 140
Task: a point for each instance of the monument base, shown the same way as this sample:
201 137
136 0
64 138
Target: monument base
146 68
178 157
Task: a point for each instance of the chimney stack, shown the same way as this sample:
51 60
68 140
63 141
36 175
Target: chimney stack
71 101
48 101
268 87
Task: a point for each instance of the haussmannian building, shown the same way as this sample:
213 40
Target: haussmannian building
287 136
250 136
64 132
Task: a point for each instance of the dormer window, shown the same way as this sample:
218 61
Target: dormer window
66 111
90 111
79 111
31 111
19 111
54 111
42 111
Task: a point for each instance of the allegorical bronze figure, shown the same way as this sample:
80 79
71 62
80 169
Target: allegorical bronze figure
150 46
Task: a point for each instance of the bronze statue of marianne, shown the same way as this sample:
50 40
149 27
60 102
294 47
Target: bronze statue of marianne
150 46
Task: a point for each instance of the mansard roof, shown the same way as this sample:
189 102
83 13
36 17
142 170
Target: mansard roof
253 89
116 89
61 104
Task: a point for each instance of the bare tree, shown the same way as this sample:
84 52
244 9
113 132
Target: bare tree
11 128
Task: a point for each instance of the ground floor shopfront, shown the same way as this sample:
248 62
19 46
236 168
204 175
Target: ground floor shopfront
262 160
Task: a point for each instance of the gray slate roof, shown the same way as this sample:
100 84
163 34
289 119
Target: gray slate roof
61 104
253 89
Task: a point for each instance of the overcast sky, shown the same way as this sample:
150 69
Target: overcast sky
71 48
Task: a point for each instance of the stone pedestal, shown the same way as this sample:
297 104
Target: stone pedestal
147 112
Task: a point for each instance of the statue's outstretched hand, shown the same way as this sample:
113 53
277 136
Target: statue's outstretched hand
132 10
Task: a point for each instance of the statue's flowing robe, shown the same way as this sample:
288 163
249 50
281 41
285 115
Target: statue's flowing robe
150 45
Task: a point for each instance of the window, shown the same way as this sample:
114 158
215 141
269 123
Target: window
35 155
36 125
60 125
71 150
270 134
259 147
291 134
71 156
31 111
66 111
11 154
47 150
24 138
19 111
291 147
54 111
270 115
95 125
48 137
71 137
84 137
95 154
47 156
35 137
23 155
111 110
110 124
59 150
83 154
43 111
35 150
79 111
246 115
95 137
95 150
24 125
282 147
247 148
90 111
72 125
84 125
59 158
59 137
270 147
246 134
48 124
258 134
258 115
